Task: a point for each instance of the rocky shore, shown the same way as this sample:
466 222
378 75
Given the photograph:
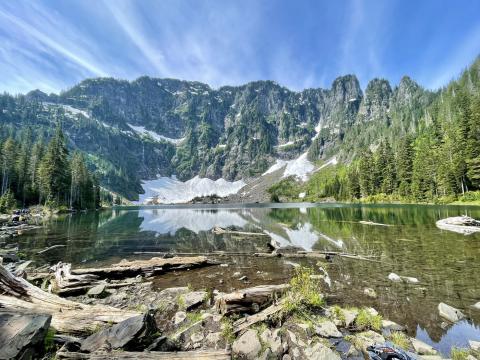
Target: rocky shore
116 312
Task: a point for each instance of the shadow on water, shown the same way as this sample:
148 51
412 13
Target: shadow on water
447 264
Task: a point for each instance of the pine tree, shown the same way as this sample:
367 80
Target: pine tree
8 164
54 174
405 166
366 174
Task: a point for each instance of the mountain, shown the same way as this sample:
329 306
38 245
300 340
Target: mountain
139 130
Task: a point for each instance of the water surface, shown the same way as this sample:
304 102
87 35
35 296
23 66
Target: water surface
447 264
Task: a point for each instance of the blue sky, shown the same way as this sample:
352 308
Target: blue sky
54 44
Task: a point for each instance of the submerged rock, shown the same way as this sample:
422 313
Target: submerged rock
370 292
394 277
450 313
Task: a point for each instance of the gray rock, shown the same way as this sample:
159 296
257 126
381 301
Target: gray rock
247 346
196 337
286 357
370 292
450 313
476 306
320 352
25 336
392 326
194 299
97 291
327 329
131 334
273 341
421 348
350 316
180 317
475 345
214 339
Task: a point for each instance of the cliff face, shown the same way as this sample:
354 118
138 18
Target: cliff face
148 127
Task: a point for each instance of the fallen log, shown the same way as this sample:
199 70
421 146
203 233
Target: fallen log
148 355
65 283
50 248
219 230
460 224
244 323
152 266
18 295
249 300
372 223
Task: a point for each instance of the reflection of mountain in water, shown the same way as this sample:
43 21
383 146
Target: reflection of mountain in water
169 221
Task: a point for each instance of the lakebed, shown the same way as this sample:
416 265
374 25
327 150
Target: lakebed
400 239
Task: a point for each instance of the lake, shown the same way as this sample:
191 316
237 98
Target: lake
447 264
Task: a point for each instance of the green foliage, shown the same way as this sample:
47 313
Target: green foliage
399 339
304 292
463 354
365 320
48 342
228 332
7 202
285 189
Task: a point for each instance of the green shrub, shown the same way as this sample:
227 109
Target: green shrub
304 291
365 320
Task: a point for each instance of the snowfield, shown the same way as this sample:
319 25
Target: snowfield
170 190
142 131
300 167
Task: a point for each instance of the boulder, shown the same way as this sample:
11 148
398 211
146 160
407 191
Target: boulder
475 345
247 346
22 336
450 313
194 298
180 317
421 348
273 341
327 329
131 334
98 291
320 352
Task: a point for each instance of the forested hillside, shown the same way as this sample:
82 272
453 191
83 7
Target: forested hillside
138 130
429 154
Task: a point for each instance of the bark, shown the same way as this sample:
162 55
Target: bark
244 323
249 300
152 266
18 295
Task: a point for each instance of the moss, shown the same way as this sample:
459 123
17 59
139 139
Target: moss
365 320
459 354
399 339
48 341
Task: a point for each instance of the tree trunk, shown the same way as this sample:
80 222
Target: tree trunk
249 300
67 316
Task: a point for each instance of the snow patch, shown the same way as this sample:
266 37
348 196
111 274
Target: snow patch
141 130
301 167
169 190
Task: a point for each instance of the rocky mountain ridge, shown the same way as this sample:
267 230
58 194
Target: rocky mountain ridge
148 127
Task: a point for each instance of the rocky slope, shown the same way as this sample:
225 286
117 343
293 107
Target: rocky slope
141 129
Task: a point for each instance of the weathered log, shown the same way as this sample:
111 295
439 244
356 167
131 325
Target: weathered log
245 322
50 248
22 336
249 300
372 223
154 265
219 230
66 283
67 316
460 224
148 355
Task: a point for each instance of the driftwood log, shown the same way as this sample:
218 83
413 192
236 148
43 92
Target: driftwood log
65 283
18 295
245 322
152 266
219 231
249 300
460 224
148 355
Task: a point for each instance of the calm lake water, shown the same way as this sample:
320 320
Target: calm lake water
447 264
